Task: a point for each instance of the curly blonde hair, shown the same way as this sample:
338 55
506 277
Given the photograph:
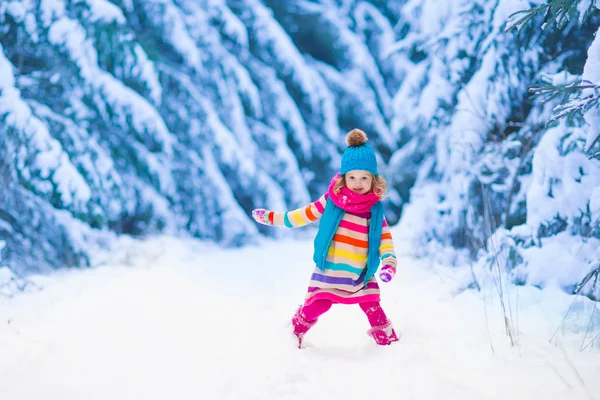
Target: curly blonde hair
379 185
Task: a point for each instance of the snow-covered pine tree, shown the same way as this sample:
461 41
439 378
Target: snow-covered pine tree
141 117
498 179
578 211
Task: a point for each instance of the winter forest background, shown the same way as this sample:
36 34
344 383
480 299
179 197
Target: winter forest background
145 117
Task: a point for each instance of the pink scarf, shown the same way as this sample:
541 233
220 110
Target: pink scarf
347 200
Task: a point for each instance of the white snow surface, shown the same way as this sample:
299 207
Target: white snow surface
172 318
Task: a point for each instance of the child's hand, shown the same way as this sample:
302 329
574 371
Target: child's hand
386 273
260 216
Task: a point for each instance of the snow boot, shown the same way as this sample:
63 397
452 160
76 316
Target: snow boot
383 334
301 325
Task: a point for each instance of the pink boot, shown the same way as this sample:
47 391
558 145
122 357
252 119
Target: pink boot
301 325
383 334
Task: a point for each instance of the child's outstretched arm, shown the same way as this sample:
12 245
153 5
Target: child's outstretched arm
387 254
291 219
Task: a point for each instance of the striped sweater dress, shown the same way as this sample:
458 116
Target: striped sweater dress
342 279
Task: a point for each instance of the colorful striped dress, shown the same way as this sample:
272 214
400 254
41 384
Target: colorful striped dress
342 279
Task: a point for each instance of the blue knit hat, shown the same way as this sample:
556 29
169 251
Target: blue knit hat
359 154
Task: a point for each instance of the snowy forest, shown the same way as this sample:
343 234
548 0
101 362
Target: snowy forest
148 117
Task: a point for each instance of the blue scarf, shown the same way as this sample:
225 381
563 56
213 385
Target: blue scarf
328 226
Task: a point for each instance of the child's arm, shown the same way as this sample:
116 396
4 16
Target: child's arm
292 219
387 254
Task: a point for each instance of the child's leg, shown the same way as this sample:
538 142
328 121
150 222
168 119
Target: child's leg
381 328
317 308
307 316
374 313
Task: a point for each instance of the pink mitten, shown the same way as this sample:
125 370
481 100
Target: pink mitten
261 216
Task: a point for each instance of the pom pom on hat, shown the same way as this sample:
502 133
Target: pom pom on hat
358 155
356 137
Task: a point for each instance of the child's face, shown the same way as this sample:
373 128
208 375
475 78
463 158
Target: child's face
359 181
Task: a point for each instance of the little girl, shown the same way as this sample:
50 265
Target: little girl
353 237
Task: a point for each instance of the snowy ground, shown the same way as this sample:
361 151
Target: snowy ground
197 322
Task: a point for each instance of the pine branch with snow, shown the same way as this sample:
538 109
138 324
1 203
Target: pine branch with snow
573 104
561 12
